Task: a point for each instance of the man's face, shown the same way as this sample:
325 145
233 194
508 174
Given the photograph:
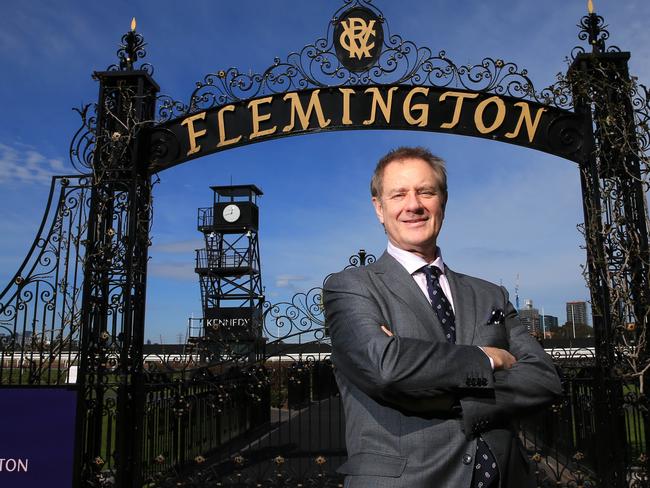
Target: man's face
411 206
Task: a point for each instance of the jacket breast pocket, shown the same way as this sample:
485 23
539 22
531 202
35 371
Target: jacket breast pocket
494 335
374 464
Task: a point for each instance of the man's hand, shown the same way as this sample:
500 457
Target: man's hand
501 358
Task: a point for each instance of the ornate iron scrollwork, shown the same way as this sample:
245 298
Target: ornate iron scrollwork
362 258
400 62
286 319
82 145
40 323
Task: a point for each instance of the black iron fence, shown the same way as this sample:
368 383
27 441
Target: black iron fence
278 422
191 413
40 306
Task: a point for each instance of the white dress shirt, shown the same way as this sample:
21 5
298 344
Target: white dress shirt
413 263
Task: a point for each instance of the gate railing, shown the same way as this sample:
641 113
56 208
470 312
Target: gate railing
40 306
191 413
278 423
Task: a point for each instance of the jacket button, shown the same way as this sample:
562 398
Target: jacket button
467 459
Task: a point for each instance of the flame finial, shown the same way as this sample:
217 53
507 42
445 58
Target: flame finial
590 6
131 48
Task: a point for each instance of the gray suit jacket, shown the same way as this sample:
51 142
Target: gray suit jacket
414 404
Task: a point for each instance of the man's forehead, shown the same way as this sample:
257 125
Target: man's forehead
406 161
414 170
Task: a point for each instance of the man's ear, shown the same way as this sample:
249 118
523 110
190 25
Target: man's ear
376 202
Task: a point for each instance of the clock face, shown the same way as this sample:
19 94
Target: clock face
231 213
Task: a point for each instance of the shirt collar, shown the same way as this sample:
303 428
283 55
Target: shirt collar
412 262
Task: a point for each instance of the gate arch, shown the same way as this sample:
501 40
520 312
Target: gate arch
402 86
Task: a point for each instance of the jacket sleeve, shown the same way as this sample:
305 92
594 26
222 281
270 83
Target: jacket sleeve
416 374
531 383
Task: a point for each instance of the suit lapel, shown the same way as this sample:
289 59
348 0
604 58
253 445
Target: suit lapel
464 308
403 286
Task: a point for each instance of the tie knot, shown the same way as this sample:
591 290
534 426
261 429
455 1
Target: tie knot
432 271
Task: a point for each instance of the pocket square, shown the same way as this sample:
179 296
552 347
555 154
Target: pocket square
496 317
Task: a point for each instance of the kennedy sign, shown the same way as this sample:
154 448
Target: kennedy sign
435 109
37 429
229 322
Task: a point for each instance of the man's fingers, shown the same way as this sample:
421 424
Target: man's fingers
507 360
501 358
386 331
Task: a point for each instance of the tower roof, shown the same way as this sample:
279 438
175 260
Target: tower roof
236 190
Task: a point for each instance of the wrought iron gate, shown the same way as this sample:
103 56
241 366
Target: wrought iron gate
79 297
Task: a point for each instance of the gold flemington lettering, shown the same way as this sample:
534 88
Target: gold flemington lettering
423 119
254 107
460 97
192 133
346 105
222 128
498 120
384 105
531 125
304 116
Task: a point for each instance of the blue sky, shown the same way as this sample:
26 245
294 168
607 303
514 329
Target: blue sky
511 210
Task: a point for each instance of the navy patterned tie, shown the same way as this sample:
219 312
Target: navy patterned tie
439 302
486 473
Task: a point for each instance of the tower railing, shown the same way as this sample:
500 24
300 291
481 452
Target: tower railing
205 218
212 259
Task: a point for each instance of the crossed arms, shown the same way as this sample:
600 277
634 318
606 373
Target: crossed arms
426 376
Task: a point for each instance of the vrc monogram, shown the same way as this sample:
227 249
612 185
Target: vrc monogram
355 36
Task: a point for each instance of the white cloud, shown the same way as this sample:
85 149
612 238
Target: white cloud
174 271
178 247
26 165
284 281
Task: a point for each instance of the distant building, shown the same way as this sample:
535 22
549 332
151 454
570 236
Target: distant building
576 313
530 317
550 323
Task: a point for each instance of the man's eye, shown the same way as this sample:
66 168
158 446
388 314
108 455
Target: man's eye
398 195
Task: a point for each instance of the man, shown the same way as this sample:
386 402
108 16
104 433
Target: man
433 366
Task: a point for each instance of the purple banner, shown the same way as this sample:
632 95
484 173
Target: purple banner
37 427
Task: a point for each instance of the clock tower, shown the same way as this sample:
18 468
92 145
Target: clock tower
230 273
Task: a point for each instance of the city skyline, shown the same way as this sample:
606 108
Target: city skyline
577 320
511 210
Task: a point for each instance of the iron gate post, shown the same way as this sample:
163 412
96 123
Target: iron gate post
110 380
616 235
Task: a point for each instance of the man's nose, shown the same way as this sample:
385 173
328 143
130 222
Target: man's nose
413 202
